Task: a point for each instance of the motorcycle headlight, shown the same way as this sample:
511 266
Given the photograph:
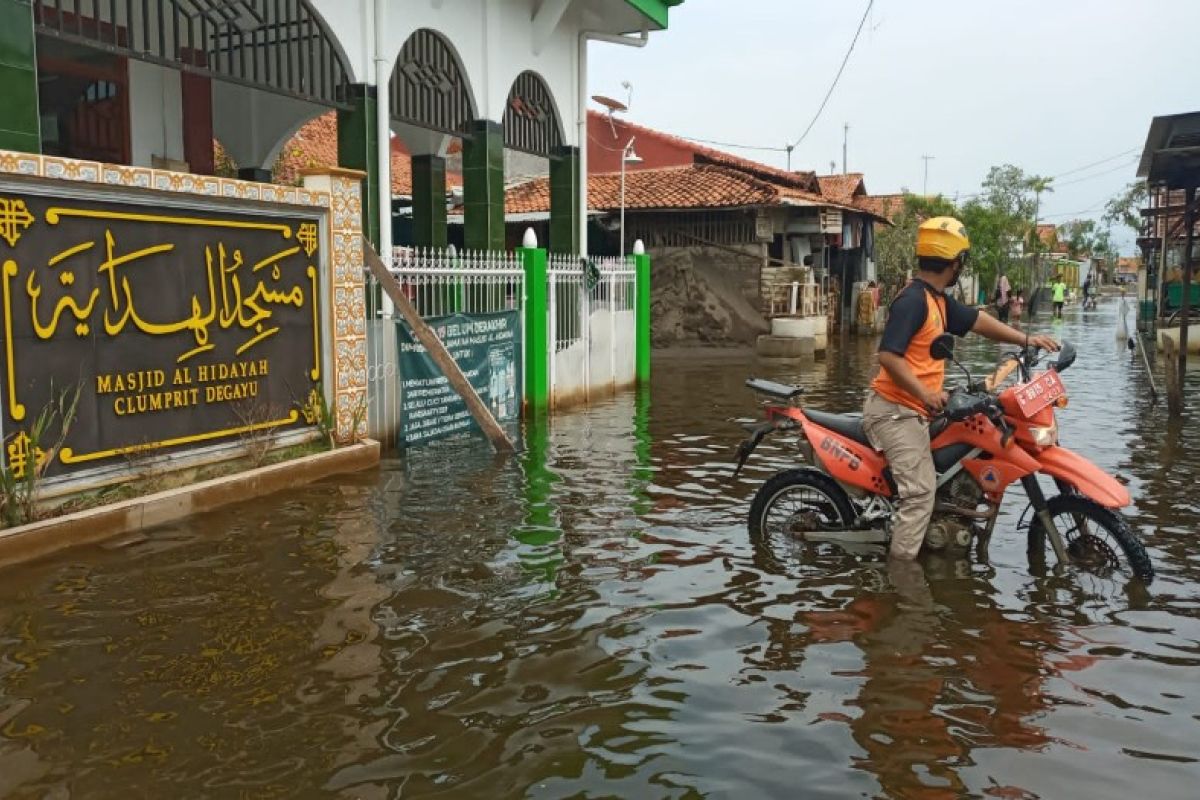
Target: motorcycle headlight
1047 436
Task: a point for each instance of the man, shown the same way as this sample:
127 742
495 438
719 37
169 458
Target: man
908 388
1060 295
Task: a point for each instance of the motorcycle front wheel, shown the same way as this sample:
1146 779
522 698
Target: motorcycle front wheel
1098 540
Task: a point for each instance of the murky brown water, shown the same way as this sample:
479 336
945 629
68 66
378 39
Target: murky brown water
591 620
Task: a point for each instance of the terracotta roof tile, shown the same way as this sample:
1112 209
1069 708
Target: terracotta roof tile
885 206
316 145
689 187
842 188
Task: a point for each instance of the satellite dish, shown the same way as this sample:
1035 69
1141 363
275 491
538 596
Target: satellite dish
613 106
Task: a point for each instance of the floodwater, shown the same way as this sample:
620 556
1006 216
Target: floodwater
591 619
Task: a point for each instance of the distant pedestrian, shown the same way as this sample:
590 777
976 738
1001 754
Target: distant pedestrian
1060 295
1002 297
1016 306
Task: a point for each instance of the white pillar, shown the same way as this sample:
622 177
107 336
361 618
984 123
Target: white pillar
383 116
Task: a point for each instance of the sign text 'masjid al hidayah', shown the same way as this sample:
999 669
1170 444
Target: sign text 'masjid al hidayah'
181 327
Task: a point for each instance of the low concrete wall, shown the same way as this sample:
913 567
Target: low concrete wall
106 522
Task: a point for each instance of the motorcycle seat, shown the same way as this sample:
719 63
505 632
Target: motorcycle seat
848 425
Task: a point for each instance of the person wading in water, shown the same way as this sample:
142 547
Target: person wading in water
908 388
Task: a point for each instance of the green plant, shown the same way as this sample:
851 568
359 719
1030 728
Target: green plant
27 459
315 410
258 431
358 417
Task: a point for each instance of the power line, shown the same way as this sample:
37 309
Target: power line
1096 163
1124 165
738 146
837 77
1075 213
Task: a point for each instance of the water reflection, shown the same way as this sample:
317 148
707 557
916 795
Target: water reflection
590 618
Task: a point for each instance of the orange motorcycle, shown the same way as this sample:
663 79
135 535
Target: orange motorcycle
984 441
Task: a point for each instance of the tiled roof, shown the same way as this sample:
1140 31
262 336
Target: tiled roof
670 188
886 206
316 145
842 188
660 149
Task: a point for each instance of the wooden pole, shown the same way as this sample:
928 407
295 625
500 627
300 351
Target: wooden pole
1174 377
1189 220
438 352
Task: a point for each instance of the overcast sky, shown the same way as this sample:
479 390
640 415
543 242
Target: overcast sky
1051 86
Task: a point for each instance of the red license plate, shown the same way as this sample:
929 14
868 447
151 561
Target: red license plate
1040 392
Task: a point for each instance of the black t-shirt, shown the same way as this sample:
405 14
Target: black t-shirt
908 313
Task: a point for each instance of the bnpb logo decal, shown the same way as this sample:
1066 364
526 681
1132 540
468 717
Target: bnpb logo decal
840 452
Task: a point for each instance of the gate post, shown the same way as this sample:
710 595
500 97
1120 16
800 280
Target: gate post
537 330
641 266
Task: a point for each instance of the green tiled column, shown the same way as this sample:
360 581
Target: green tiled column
483 186
429 201
20 127
564 201
357 149
641 266
537 332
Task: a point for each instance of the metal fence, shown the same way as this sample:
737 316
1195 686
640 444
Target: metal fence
592 328
438 282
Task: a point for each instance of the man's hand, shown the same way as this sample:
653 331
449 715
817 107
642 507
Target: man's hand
934 401
1045 343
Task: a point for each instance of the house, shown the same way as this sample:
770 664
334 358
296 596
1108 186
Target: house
726 234
1127 269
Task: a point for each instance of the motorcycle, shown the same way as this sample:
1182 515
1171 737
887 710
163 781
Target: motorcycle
985 440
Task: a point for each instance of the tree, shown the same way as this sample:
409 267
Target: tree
1080 236
1126 207
999 221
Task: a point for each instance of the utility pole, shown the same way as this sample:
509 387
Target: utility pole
925 182
845 135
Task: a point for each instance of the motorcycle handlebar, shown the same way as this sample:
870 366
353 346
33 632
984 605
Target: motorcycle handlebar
963 405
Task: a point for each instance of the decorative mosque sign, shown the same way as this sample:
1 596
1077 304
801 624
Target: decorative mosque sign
181 327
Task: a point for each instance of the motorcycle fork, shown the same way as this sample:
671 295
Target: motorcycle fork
984 540
1037 499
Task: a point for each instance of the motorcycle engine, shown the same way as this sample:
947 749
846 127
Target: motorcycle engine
947 531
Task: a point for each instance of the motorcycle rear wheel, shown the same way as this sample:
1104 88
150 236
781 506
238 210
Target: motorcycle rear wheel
794 498
1089 531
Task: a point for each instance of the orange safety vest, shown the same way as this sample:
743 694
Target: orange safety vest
931 372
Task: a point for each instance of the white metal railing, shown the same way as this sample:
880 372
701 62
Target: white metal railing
591 306
438 282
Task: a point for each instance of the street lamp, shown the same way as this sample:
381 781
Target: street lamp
627 157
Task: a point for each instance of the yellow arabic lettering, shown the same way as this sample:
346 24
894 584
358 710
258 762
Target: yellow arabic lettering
68 303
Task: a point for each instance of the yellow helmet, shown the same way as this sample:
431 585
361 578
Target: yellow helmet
942 237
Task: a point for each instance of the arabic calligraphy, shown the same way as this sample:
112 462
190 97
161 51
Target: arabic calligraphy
227 303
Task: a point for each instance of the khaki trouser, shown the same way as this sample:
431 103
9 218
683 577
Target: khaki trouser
903 436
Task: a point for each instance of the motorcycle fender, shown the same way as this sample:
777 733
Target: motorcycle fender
847 461
1090 480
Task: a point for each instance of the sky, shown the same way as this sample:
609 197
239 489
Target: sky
1051 86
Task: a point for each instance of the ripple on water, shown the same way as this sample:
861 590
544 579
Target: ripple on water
590 618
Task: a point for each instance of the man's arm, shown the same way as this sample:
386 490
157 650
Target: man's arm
997 331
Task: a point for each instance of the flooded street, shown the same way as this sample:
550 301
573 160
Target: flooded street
591 619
